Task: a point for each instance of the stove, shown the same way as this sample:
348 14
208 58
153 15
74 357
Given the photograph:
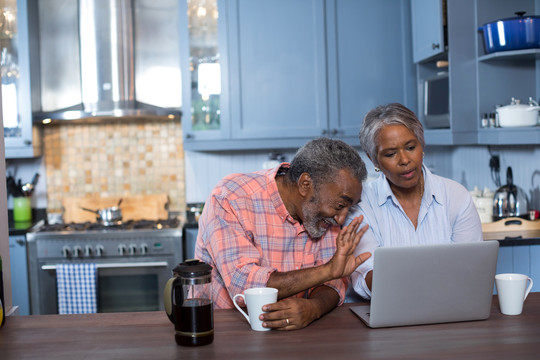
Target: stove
126 225
134 260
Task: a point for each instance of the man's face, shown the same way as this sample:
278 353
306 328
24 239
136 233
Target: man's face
329 204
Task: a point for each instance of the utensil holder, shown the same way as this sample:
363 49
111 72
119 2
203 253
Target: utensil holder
22 209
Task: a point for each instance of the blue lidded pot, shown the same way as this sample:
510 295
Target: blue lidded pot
521 32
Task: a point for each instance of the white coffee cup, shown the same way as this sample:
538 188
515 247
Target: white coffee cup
255 298
512 290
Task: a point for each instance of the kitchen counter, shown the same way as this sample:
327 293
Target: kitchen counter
339 334
518 241
23 228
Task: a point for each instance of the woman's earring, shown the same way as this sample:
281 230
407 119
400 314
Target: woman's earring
377 169
423 154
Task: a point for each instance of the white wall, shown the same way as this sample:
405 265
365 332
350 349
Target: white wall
468 165
471 167
204 170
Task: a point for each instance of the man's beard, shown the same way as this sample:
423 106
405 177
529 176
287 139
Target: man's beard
312 218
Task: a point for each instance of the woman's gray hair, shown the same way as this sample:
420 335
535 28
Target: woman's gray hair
389 114
322 158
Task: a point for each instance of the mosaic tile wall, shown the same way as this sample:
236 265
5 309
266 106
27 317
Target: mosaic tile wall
117 158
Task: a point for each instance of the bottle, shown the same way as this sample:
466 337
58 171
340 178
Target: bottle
485 120
492 120
2 309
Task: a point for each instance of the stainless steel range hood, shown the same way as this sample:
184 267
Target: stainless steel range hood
108 58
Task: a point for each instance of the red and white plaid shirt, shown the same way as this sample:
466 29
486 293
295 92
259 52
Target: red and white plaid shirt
246 233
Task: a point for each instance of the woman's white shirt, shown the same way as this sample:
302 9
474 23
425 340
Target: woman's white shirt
447 214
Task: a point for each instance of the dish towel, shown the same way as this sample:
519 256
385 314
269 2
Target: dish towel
76 284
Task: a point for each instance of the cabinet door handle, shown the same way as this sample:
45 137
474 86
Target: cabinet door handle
435 46
334 131
189 136
324 132
20 242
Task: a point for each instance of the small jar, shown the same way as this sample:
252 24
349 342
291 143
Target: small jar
484 122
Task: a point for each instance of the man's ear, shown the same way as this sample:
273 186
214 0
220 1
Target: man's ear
305 184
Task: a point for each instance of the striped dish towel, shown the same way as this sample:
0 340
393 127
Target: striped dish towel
76 285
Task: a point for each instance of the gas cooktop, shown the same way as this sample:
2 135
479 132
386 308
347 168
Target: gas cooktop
126 225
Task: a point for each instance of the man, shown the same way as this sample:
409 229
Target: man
280 228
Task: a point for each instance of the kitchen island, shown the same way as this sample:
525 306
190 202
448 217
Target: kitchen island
340 334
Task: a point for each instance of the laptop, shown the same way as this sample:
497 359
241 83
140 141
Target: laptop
429 284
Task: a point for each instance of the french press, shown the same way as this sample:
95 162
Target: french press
188 303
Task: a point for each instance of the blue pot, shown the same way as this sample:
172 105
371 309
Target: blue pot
521 32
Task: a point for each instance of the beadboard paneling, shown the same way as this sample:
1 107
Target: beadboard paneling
468 165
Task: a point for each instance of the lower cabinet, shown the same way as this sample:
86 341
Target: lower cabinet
19 273
522 259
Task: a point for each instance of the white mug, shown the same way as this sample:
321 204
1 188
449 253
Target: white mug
512 290
255 298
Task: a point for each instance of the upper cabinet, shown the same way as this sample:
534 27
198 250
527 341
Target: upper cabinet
294 70
365 70
21 139
428 28
203 56
478 82
277 69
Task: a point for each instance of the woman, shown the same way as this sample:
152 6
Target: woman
407 204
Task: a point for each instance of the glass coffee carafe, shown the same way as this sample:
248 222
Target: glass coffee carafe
188 303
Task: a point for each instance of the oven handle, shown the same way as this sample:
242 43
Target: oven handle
119 265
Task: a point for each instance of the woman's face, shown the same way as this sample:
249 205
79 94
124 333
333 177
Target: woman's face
399 154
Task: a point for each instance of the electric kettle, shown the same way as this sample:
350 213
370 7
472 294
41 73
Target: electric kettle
510 200
188 303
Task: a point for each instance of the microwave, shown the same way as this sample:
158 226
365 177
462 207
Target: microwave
436 99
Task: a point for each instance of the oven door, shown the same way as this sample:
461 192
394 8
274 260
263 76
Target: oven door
121 285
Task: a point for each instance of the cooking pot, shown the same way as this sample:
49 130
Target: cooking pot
521 32
517 114
509 200
108 216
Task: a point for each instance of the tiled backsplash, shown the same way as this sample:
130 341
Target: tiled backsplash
116 158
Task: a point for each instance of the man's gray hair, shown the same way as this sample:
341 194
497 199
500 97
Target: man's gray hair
379 117
322 158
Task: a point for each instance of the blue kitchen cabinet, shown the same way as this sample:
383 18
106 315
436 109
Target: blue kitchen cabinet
478 82
369 61
273 76
21 138
522 259
428 21
19 273
295 70
203 62
277 69
460 55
